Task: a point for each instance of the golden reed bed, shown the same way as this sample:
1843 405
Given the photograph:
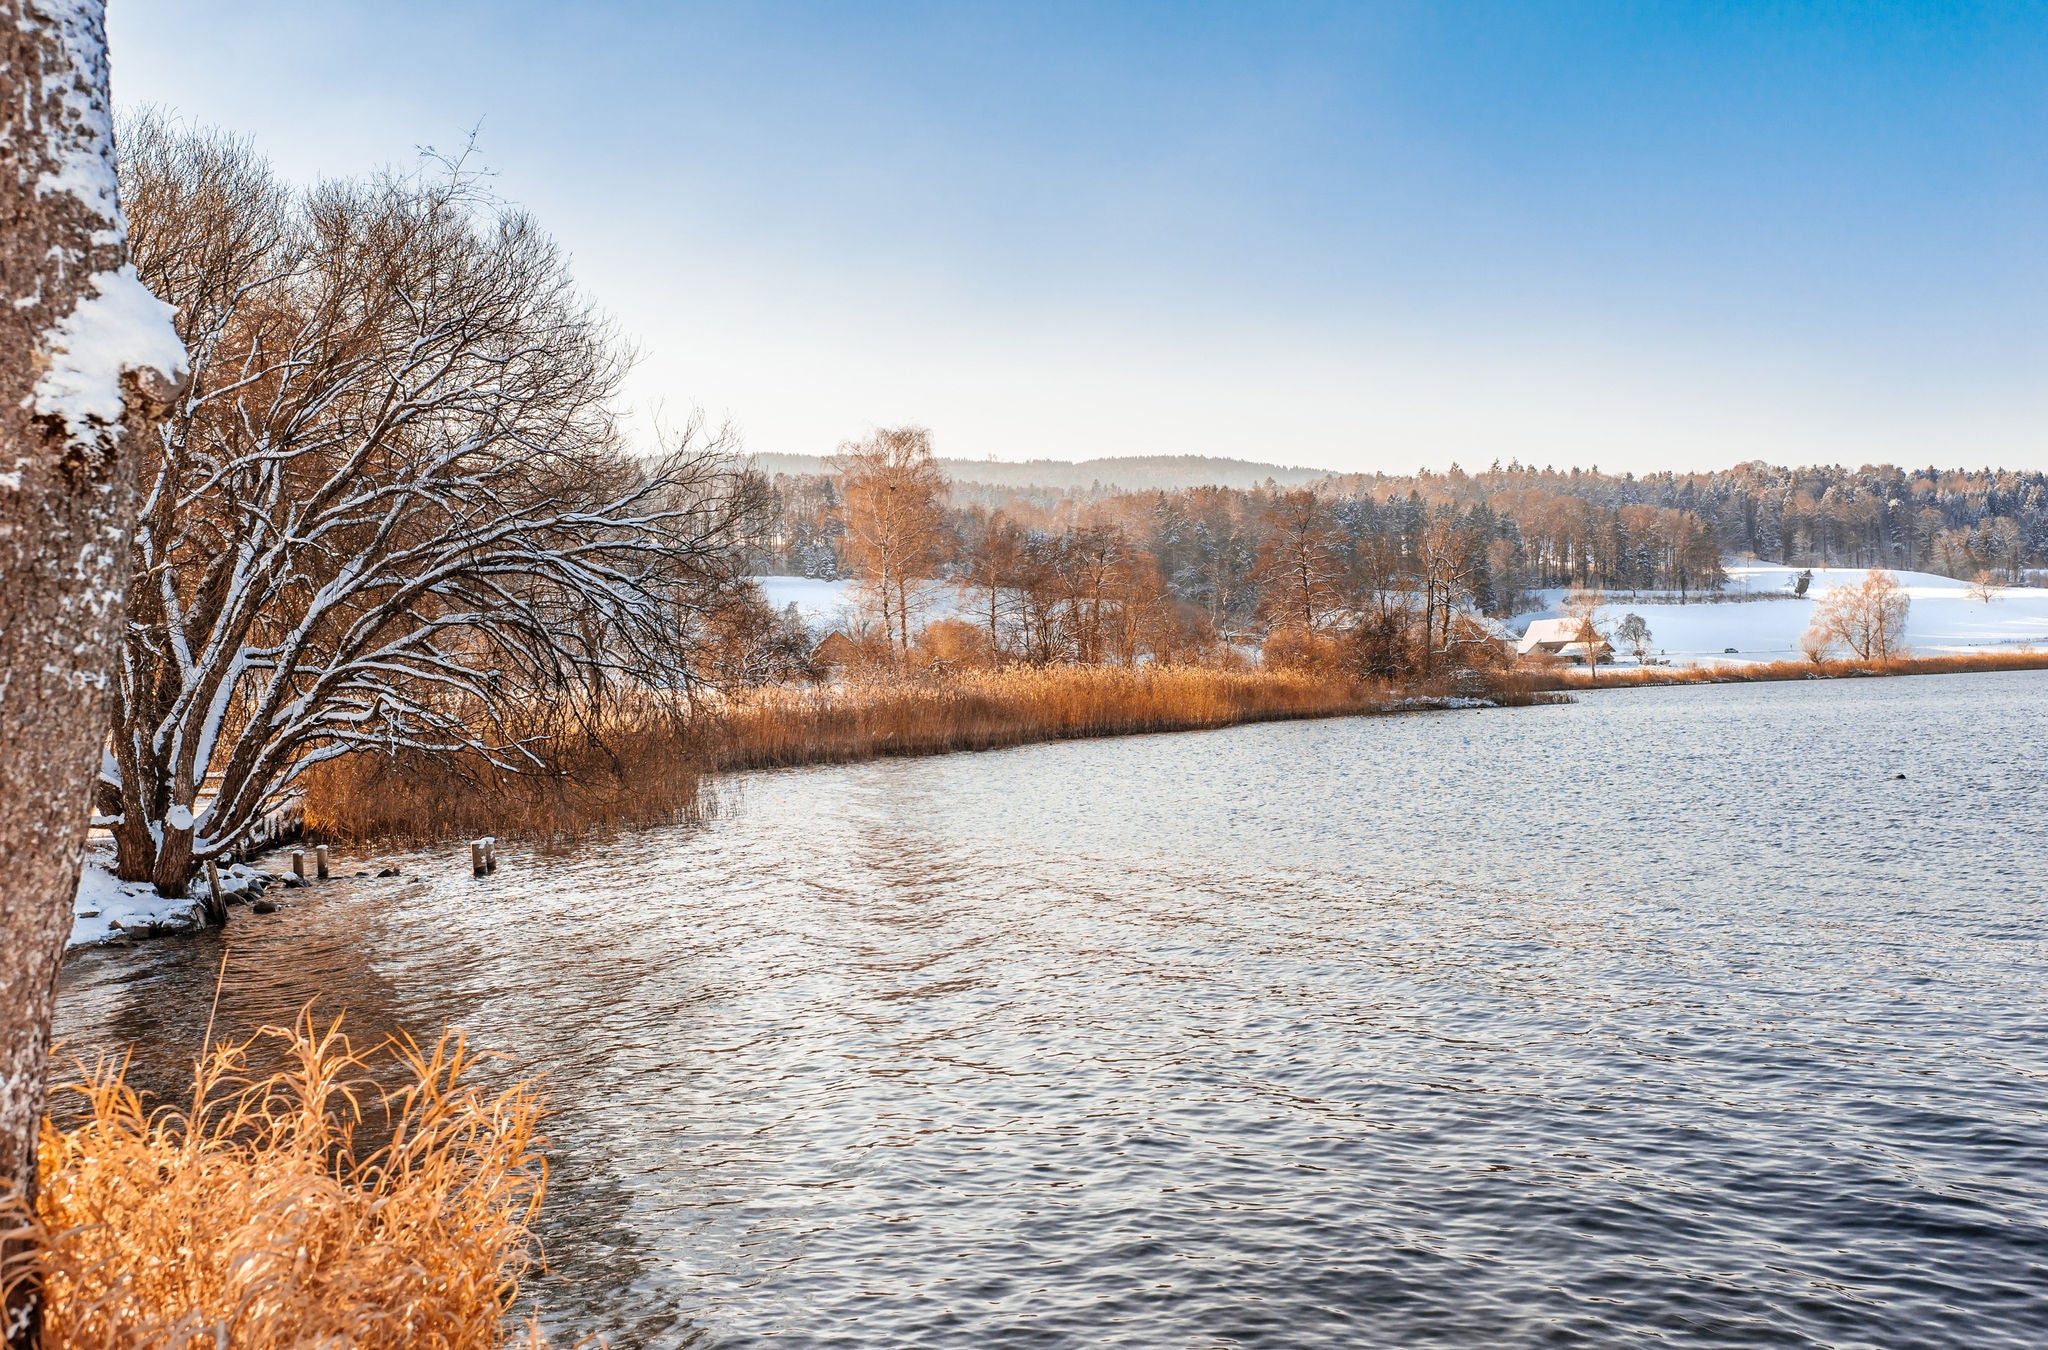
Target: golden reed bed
252 1219
1766 671
646 766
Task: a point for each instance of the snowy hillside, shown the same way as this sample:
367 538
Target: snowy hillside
1944 617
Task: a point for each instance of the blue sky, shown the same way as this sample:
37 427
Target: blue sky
1371 236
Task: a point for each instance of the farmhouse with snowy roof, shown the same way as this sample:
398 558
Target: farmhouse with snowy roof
1560 637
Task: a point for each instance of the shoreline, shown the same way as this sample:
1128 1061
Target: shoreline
815 728
1773 672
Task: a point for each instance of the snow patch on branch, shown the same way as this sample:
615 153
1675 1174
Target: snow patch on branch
119 328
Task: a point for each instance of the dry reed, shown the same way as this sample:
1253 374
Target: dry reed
985 710
644 767
252 1220
1768 671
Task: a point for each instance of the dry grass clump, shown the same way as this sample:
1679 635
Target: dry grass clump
1559 677
254 1222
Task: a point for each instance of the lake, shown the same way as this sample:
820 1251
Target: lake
1671 1015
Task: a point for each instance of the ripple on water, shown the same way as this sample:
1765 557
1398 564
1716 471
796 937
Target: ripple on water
1671 1016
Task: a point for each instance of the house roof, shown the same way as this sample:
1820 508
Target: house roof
1553 633
1553 630
834 646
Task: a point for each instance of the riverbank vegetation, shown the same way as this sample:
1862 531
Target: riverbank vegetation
392 510
987 710
1572 678
257 1219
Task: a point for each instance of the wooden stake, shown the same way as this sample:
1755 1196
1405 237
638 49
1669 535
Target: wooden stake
320 861
476 857
216 908
299 863
490 853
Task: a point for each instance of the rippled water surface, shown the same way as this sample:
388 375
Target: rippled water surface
1671 1016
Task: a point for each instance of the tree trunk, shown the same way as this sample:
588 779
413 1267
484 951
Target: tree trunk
77 335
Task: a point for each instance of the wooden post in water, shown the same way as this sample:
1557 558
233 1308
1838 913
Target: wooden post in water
299 864
476 857
216 907
320 861
490 853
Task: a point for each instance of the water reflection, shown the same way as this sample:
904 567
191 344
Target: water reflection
1668 1015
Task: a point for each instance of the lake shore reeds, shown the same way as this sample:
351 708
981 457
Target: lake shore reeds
646 766
1573 679
251 1219
641 767
984 710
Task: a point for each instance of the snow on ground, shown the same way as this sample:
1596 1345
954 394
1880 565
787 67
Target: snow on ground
826 605
1944 617
108 908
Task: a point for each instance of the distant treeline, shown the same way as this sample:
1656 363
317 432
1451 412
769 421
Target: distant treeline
1506 532
1086 479
1953 521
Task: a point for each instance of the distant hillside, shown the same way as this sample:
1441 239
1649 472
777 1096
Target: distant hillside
1131 473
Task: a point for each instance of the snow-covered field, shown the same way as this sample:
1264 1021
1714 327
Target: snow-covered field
826 605
1944 618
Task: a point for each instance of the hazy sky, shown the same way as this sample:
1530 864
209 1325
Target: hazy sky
1368 236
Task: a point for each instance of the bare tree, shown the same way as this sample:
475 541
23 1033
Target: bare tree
87 360
1868 619
1298 563
1444 564
895 522
993 550
390 510
1583 607
1635 631
1985 586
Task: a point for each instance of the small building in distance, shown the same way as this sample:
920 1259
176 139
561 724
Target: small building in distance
1560 637
834 653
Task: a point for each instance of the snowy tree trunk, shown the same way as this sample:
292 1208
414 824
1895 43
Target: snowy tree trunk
87 360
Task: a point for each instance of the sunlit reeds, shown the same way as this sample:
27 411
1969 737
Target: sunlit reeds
1608 677
644 767
978 710
251 1219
